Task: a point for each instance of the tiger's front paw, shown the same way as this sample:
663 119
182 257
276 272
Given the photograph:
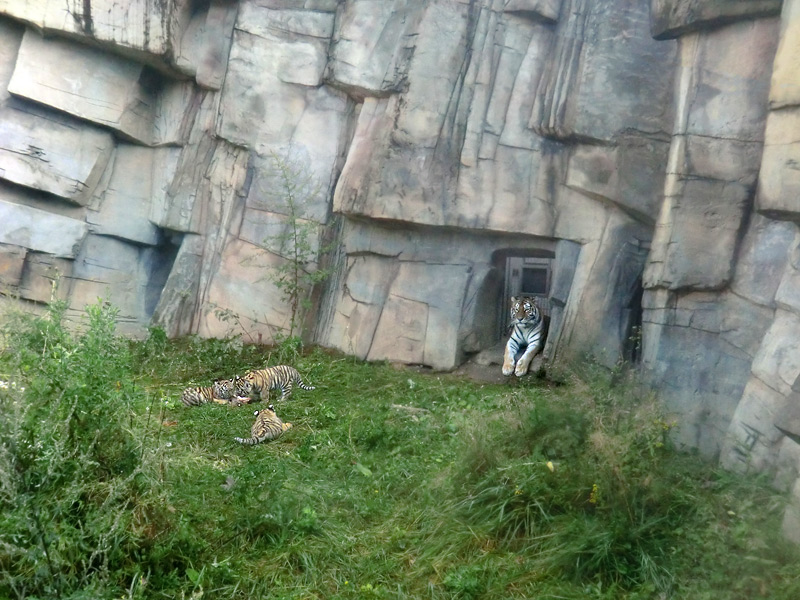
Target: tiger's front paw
520 371
508 369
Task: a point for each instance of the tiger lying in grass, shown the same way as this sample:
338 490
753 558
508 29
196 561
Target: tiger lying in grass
221 392
268 426
255 383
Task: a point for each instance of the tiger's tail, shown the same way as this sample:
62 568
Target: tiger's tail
291 375
304 386
251 441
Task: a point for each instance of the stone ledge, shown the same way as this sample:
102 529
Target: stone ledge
674 18
143 30
40 230
48 152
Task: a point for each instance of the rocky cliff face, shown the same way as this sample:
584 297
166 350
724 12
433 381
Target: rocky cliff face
639 157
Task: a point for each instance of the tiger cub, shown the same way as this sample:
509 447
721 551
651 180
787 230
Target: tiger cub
528 325
255 383
220 392
268 426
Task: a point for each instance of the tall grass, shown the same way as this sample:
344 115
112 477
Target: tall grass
393 483
587 479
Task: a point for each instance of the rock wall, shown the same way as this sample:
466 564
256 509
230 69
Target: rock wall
647 150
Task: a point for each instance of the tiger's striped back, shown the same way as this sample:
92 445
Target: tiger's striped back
220 392
283 377
268 426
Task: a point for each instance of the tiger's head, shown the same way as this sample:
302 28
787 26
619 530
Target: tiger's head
242 385
524 310
267 412
223 388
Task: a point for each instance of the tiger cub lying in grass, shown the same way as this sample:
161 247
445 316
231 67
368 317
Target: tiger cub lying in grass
221 392
255 383
268 426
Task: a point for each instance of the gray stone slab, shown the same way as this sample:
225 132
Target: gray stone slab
788 294
416 325
12 259
39 230
216 44
294 43
744 323
110 269
42 272
546 10
729 89
777 362
673 18
695 249
762 259
372 46
629 175
752 439
697 381
10 40
265 110
86 83
147 31
779 179
591 88
785 90
274 232
242 287
48 153
123 204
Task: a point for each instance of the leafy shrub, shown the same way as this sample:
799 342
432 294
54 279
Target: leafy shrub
68 460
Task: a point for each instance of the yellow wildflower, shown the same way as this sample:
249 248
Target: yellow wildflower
593 495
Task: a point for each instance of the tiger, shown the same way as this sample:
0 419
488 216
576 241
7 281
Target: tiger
255 383
221 392
268 426
528 326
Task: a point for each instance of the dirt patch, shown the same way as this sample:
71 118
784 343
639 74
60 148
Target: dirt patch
484 371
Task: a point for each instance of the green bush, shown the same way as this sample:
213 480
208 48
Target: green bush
68 458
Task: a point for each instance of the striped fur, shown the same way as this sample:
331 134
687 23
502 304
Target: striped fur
268 426
255 383
527 328
220 392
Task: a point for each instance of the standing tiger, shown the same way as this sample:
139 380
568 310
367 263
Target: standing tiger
220 392
271 378
528 325
268 426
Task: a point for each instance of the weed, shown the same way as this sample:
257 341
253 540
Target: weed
298 240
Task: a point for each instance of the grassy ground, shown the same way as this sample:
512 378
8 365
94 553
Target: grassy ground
393 483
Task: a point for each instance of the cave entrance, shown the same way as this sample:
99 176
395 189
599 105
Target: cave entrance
528 273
